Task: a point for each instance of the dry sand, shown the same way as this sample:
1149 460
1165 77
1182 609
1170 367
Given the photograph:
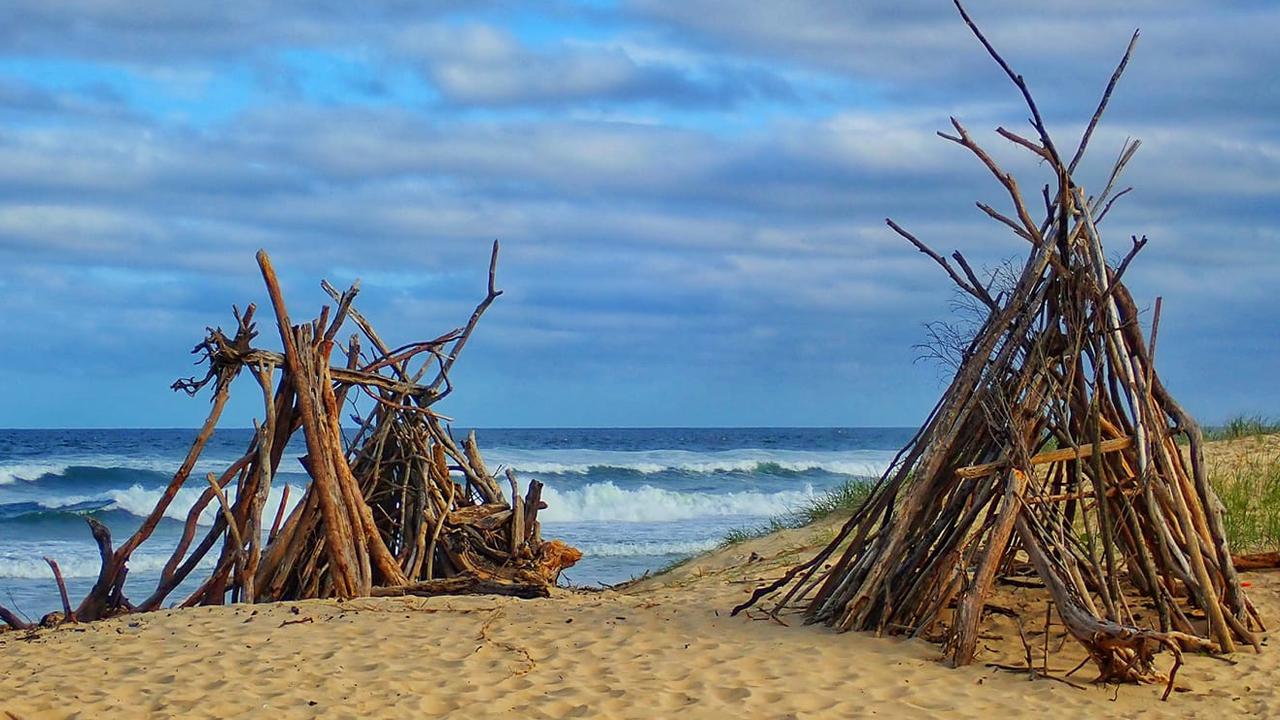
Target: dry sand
664 647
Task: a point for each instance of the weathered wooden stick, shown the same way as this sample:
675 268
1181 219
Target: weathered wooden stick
380 556
466 585
486 484
532 504
341 375
170 577
517 514
1102 104
1036 120
67 614
435 534
275 524
963 139
95 603
442 378
11 619
1052 456
974 290
969 612
232 527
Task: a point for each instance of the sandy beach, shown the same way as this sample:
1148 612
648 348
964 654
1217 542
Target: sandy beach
661 647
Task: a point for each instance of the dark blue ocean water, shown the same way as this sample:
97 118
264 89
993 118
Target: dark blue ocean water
631 499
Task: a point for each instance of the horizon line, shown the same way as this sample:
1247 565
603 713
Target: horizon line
524 427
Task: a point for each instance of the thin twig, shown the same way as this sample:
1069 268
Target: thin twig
1111 202
447 364
977 292
1102 105
1036 120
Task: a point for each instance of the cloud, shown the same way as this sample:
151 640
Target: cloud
1194 58
147 32
687 208
480 65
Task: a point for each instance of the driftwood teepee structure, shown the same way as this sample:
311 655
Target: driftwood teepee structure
1054 447
398 508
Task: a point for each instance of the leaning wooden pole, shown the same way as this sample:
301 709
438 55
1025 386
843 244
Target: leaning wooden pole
302 356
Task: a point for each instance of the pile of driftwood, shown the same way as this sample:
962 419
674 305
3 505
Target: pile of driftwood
1053 453
398 508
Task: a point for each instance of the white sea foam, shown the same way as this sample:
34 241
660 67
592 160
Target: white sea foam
844 462
77 561
606 502
22 559
539 461
140 501
15 472
636 549
58 466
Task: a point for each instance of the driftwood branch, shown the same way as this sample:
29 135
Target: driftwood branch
1106 209
466 586
67 614
1102 104
1036 121
975 289
1006 179
492 294
11 619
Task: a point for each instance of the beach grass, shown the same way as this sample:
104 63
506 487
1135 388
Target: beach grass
1242 426
844 498
1250 492
1248 486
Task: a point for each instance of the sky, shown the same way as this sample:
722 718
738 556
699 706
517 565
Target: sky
690 195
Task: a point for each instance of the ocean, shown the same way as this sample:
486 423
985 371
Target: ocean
633 500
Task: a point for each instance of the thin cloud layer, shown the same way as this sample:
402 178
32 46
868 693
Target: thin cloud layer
690 202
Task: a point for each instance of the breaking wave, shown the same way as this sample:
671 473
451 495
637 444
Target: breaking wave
102 467
648 462
606 502
135 500
83 563
643 549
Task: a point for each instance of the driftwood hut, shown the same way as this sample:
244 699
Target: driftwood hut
397 506
1056 452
